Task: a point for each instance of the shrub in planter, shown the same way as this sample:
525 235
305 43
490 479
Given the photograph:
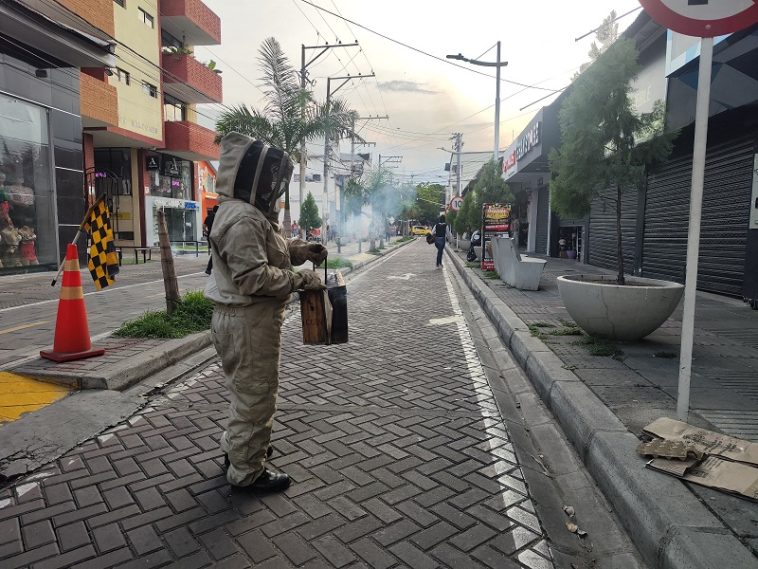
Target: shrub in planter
606 148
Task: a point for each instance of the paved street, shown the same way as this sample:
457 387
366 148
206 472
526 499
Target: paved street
398 451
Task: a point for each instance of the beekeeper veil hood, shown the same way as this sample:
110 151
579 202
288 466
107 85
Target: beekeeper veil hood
254 172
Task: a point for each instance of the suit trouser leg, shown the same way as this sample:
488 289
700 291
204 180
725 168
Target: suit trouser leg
248 341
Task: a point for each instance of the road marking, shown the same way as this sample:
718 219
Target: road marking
405 277
23 327
20 394
104 291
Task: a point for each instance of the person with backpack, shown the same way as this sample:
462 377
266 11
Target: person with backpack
440 233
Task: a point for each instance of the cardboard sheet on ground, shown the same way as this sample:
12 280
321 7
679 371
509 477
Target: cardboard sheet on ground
713 472
707 442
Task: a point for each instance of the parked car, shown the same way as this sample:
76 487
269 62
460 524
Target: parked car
420 230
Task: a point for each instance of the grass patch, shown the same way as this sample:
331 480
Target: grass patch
491 275
472 265
338 263
666 355
537 332
404 239
599 347
566 331
192 315
542 325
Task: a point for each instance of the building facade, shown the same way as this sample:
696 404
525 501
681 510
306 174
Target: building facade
655 215
43 48
146 161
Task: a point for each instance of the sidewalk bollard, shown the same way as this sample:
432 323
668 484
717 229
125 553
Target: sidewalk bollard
359 245
339 245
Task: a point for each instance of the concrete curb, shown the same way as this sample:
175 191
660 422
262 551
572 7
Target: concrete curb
128 371
388 250
670 526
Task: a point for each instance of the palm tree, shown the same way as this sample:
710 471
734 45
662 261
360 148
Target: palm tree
290 115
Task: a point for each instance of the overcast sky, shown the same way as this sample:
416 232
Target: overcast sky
425 99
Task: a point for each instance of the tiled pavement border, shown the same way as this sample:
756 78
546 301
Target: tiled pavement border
399 454
670 526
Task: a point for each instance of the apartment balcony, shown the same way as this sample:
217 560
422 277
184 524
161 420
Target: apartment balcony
188 80
98 102
191 21
190 141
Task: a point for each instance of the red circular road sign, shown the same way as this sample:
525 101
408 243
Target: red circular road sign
456 203
703 18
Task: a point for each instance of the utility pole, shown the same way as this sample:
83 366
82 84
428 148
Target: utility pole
497 65
457 139
352 139
303 78
345 80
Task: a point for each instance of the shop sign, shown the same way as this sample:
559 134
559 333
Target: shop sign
528 140
509 165
152 163
496 220
190 205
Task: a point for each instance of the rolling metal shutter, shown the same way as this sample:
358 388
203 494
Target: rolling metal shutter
726 201
601 236
543 211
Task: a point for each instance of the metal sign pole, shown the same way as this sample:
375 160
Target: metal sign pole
693 240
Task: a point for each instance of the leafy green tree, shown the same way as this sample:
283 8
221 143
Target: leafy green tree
451 216
309 217
429 201
354 197
463 220
290 115
489 187
601 144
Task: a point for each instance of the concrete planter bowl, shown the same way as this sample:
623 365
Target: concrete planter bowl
623 312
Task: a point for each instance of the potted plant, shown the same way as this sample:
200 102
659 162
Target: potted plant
606 149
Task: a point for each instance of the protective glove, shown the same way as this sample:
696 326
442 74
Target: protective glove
316 253
300 251
307 280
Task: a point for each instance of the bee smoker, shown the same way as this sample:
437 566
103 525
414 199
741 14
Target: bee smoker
324 312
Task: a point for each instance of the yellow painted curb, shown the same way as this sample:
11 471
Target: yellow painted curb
20 394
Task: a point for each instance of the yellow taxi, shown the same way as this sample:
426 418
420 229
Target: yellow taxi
420 230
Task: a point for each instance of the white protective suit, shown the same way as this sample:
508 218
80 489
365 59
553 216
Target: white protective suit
252 279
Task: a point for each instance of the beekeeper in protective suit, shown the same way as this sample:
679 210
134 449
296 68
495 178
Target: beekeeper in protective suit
251 281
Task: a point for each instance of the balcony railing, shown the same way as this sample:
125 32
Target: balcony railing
191 20
190 81
98 102
190 141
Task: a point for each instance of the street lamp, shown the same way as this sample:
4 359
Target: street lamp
497 65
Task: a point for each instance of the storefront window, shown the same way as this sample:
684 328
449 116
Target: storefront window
113 171
27 225
172 179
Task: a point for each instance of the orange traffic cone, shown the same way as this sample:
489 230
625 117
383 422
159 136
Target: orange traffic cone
72 341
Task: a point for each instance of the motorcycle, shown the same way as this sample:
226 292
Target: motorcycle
476 241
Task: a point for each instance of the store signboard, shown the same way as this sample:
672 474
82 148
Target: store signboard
152 163
529 140
496 222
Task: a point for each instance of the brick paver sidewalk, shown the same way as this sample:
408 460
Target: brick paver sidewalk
399 455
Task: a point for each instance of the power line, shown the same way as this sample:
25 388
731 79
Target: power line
421 51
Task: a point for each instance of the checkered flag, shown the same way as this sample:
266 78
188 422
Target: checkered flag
103 261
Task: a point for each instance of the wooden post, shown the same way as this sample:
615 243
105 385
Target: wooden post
170 283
